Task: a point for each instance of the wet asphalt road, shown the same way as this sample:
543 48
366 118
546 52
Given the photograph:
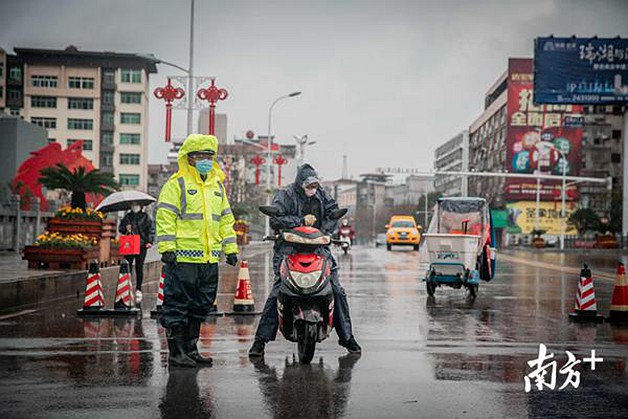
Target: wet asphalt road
444 357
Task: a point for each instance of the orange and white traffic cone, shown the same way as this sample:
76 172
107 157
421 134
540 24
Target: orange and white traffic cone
94 297
124 300
160 295
619 301
243 302
585 309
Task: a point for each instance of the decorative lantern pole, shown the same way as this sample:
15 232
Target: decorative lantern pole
212 94
279 161
257 161
169 93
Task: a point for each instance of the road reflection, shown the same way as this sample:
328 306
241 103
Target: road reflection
182 398
306 391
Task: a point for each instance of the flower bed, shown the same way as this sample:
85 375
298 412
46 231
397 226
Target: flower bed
59 258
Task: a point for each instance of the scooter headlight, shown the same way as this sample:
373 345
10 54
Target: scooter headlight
305 280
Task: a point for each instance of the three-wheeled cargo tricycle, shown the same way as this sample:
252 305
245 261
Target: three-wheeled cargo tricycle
457 249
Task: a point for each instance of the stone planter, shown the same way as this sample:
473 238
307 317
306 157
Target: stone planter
59 258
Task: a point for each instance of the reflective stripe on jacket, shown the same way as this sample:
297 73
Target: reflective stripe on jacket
194 218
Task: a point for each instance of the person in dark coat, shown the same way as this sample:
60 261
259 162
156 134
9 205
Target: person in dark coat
301 198
137 221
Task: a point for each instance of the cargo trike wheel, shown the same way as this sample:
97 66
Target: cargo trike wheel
430 287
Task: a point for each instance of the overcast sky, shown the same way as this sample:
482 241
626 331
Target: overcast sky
384 82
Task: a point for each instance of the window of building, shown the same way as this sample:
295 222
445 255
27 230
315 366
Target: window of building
109 76
75 123
43 102
1 91
129 158
15 73
1 69
129 138
107 97
615 157
130 97
129 179
44 81
106 138
106 159
88 145
80 103
107 118
616 134
81 83
15 112
48 123
131 76
52 140
15 93
130 118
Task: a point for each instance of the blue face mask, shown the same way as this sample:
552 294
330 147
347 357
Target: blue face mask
204 166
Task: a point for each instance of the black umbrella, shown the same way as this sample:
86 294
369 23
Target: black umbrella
122 201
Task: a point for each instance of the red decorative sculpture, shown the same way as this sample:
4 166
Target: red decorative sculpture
257 161
212 94
169 93
26 180
279 161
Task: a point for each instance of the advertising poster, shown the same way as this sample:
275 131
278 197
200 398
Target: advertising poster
581 70
542 139
522 217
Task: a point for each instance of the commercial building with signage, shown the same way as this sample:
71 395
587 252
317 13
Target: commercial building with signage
452 156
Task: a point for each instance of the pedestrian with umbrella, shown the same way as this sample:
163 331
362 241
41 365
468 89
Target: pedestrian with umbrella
135 222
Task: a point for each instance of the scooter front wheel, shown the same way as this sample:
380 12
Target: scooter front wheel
306 343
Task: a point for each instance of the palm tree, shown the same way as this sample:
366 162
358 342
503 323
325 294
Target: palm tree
78 182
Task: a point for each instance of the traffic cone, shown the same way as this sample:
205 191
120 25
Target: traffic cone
124 300
619 302
585 309
243 300
94 297
160 295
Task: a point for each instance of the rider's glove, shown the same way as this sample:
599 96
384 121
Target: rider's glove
169 257
309 220
232 259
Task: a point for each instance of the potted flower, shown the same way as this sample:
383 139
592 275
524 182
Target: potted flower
53 250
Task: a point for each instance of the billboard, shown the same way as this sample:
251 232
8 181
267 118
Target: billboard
581 70
540 138
522 217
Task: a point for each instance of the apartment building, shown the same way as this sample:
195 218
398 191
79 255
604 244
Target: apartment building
100 98
452 156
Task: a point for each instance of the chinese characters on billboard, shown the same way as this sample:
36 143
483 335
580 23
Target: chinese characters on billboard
577 70
542 139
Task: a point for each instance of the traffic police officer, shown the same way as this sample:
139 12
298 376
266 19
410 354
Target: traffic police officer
194 226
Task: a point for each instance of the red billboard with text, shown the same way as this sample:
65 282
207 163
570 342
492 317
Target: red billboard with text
542 139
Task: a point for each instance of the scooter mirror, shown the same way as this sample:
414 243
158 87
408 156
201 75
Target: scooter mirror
338 214
270 210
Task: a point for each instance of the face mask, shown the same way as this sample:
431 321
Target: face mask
204 166
310 192
135 208
345 222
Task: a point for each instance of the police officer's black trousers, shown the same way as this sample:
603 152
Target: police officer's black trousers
189 292
269 322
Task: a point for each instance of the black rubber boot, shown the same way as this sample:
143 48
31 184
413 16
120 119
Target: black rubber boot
258 348
351 345
194 331
176 346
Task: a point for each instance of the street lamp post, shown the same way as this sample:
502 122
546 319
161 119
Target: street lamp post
269 157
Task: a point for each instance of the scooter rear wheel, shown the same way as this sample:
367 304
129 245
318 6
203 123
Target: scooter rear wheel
306 343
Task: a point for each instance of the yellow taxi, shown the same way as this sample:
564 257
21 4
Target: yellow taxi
402 230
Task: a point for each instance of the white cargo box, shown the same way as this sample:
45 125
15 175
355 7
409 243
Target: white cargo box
453 248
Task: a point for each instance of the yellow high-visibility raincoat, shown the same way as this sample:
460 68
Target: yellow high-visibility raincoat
194 218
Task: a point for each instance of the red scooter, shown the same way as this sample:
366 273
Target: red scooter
306 301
